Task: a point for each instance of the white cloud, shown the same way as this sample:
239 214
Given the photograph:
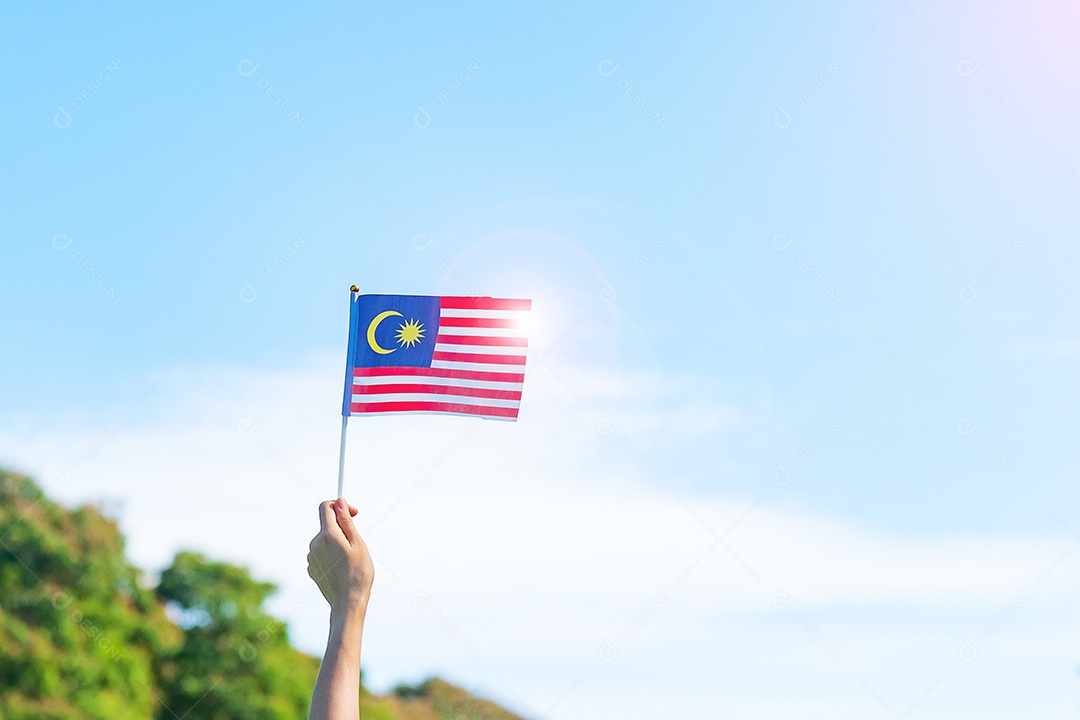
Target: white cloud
508 554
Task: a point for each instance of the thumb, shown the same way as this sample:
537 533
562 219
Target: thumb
345 521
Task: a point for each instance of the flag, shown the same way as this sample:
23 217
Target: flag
432 354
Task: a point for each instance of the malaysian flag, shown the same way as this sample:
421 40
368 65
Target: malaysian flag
431 354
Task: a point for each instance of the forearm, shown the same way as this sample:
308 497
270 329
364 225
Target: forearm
337 691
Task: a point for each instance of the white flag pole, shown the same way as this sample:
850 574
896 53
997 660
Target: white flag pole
344 416
341 458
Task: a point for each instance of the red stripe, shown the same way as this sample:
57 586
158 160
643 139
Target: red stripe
440 372
433 407
483 303
482 340
478 358
480 322
436 389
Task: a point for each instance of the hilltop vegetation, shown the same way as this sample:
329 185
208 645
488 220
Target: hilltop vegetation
82 637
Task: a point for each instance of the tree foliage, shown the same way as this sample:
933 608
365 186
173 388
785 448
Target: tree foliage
236 662
78 631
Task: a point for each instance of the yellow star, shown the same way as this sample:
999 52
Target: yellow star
410 333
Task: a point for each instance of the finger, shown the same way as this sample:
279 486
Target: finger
344 520
325 515
328 518
353 511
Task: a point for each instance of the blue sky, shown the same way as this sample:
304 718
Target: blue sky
811 259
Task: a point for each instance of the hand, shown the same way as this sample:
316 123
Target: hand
339 561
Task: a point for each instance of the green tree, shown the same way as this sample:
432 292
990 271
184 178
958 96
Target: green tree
236 662
78 632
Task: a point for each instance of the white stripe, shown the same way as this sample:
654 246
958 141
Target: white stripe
422 380
433 397
490 332
476 367
481 349
522 315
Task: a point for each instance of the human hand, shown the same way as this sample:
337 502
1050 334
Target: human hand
339 561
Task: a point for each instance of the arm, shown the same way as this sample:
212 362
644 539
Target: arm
341 566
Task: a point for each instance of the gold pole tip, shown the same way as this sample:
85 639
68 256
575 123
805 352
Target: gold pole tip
354 289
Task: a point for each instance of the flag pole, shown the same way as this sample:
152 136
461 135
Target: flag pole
341 458
348 388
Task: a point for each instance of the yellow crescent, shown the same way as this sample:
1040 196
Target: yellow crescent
371 332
